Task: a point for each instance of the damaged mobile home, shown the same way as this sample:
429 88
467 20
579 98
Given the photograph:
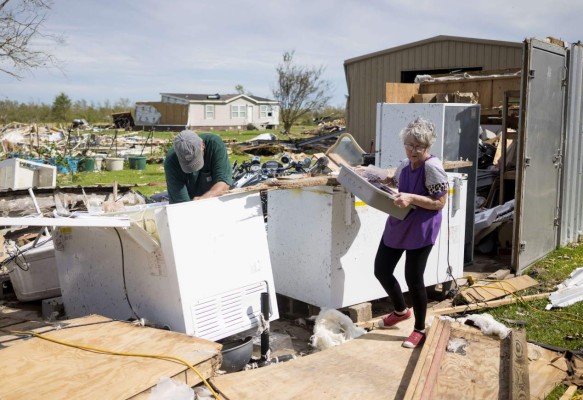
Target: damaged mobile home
142 264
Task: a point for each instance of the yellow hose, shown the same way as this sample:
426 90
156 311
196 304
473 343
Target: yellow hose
117 353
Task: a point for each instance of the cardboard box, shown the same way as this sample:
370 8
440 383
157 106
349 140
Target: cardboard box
370 194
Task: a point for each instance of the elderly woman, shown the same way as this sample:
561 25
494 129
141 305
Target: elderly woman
422 182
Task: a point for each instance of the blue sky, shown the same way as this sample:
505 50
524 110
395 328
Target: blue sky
138 49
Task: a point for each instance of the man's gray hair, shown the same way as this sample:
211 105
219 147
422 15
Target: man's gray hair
421 130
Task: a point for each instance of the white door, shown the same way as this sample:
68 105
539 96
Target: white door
249 114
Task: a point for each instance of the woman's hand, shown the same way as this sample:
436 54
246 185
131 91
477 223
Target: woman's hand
403 200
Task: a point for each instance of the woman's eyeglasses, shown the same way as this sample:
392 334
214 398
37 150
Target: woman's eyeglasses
418 149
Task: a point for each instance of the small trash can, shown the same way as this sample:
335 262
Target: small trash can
98 164
114 163
87 164
137 162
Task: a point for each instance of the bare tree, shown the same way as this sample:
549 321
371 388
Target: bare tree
21 29
300 89
241 90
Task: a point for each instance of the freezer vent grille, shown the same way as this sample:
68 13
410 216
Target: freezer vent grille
229 312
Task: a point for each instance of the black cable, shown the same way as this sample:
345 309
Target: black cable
123 273
20 252
8 331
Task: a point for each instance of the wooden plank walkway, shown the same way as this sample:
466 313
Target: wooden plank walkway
33 368
373 366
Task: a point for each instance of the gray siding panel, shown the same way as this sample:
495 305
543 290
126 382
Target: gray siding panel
430 53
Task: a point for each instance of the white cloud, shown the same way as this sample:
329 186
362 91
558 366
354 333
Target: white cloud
136 50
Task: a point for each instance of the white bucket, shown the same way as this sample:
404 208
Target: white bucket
98 164
114 164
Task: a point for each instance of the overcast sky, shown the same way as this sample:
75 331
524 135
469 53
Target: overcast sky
138 49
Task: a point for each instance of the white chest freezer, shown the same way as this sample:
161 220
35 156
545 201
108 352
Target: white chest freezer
197 267
323 242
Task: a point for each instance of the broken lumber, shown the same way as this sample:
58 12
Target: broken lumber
486 291
499 274
570 392
518 377
424 379
490 304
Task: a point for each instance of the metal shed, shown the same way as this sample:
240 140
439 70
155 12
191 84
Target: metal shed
367 75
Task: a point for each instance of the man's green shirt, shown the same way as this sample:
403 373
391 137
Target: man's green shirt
184 187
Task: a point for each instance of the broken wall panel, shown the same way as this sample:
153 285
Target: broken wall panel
159 113
572 185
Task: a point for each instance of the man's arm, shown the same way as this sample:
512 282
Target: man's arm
220 171
216 190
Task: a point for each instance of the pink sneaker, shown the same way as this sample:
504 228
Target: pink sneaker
415 339
393 319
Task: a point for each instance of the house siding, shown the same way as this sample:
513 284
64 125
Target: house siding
188 110
223 120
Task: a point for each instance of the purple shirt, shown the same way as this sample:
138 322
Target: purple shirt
421 226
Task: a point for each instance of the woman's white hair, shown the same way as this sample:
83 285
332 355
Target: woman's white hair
421 130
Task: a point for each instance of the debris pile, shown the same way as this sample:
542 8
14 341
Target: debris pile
51 145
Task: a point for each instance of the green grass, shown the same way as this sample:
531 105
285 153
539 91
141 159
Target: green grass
562 327
153 173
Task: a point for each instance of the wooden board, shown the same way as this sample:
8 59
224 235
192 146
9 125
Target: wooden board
546 369
374 366
442 309
475 375
490 89
518 381
483 372
400 92
485 291
39 369
422 384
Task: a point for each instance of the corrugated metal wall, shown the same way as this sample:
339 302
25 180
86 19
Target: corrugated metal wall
572 184
366 76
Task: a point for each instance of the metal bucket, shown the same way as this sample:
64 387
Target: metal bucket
236 354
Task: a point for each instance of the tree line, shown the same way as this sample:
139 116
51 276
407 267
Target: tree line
62 111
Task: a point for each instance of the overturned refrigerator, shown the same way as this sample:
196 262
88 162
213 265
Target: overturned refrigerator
197 267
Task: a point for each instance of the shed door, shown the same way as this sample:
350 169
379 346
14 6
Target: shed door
539 163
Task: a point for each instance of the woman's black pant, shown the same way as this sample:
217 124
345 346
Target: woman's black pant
415 261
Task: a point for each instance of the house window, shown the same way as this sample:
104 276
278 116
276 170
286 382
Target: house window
265 111
238 111
209 111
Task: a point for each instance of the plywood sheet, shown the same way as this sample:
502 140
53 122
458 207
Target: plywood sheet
475 375
374 366
482 372
39 369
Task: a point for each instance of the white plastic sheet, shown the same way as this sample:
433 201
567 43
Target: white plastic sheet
333 328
